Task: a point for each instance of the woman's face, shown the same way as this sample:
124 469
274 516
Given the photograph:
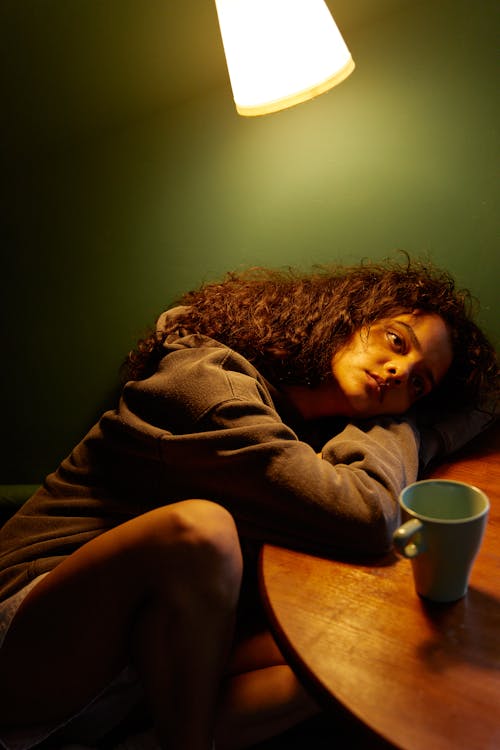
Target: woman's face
385 368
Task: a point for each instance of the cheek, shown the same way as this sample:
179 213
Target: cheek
399 401
360 354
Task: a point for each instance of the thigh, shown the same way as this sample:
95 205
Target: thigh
252 652
71 635
254 646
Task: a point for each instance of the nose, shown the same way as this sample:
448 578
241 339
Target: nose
397 372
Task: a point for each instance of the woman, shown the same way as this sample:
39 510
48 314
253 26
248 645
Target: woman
268 407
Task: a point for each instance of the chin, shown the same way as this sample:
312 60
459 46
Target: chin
363 408
370 414
369 411
363 412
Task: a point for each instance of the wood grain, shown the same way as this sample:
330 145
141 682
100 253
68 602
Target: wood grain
420 675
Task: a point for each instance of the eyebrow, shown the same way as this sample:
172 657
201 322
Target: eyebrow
418 346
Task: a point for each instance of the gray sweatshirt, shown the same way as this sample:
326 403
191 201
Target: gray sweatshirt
208 425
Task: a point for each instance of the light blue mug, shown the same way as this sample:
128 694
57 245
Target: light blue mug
442 536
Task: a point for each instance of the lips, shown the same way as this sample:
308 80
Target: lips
377 383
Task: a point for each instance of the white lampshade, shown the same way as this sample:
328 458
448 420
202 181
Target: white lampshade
280 52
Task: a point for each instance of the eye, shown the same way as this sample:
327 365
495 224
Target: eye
418 384
397 342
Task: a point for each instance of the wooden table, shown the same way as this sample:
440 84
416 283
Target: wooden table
422 676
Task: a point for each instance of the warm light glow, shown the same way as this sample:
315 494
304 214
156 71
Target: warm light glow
280 52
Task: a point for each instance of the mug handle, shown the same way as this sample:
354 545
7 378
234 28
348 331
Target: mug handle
403 535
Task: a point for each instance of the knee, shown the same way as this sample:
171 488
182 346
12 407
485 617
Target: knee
208 534
198 542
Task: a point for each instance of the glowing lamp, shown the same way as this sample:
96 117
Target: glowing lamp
280 52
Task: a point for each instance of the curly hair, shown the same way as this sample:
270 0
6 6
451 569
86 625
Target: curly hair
289 323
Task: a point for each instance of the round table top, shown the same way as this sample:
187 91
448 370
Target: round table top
417 673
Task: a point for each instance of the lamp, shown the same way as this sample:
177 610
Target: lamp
280 52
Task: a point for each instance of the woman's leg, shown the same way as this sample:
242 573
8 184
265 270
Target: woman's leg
261 697
162 590
259 705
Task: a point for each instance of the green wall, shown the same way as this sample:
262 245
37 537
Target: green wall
100 236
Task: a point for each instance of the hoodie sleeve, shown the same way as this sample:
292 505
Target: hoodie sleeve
280 490
220 437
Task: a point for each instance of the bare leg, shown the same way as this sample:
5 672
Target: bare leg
259 705
261 696
161 589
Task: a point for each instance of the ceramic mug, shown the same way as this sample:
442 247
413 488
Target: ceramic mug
442 536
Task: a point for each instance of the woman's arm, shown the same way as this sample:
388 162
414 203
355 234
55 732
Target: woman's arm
220 437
